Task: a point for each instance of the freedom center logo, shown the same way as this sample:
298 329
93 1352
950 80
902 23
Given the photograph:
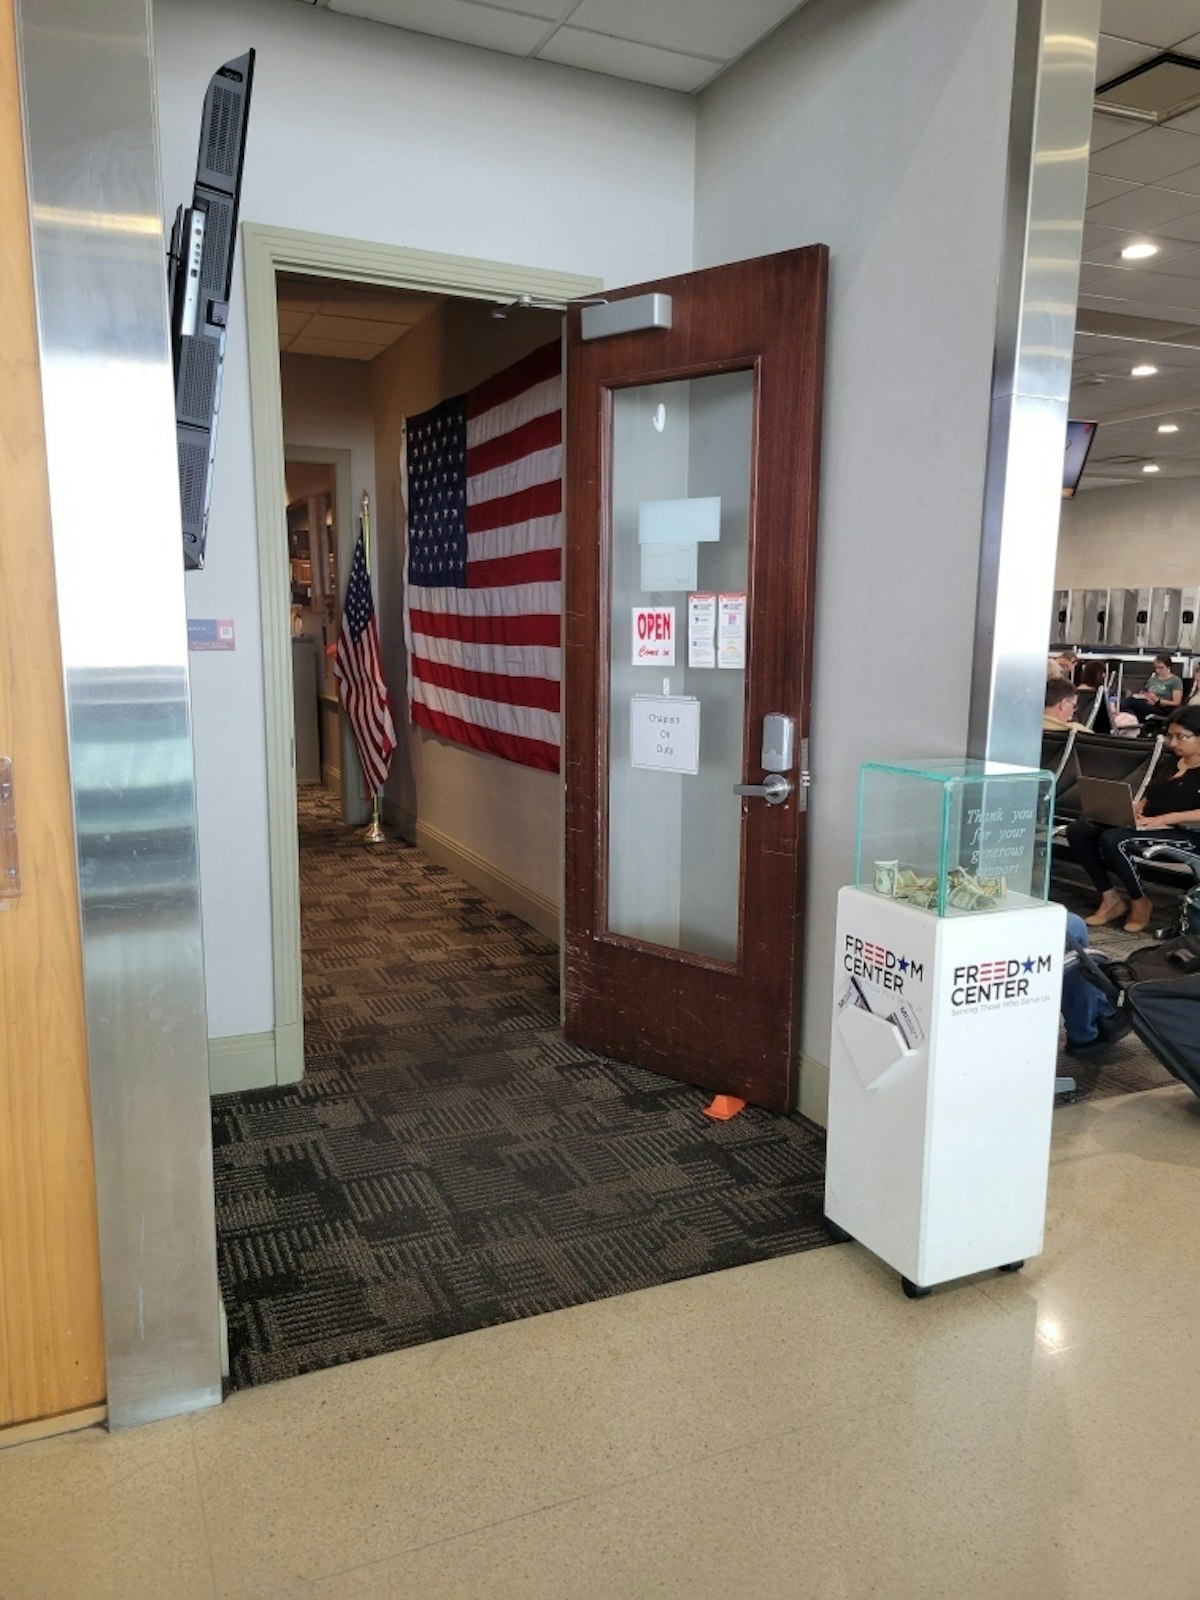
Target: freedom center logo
980 982
862 958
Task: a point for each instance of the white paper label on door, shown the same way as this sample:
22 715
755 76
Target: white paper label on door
654 636
677 521
664 733
668 566
702 630
731 630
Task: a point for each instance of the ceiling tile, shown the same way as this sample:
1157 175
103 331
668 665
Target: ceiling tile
1102 246
1182 265
1150 156
291 321
356 330
1189 122
1160 22
1111 130
572 47
1154 288
1146 207
340 351
507 31
1186 182
1100 189
703 27
1186 228
548 10
1116 56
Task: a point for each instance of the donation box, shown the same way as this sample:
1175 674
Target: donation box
947 983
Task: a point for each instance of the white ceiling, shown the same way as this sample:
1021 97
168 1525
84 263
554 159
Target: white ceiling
324 317
1144 185
675 44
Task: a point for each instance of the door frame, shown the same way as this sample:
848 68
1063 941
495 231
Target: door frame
267 251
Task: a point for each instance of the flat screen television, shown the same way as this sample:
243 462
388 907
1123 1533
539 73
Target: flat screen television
200 273
1079 442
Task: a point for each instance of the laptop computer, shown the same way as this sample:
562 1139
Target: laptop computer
1108 801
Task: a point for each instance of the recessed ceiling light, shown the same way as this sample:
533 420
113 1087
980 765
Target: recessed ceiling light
1168 427
1151 466
1138 252
1144 371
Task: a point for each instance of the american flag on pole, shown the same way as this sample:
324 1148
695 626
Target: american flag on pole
357 667
484 593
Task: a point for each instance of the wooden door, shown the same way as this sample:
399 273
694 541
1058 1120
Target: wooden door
51 1344
692 484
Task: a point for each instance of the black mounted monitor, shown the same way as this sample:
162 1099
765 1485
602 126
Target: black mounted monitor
201 275
1079 441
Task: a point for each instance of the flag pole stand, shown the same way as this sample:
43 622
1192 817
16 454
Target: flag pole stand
373 833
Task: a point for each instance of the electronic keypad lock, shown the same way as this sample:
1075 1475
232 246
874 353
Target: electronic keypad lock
778 742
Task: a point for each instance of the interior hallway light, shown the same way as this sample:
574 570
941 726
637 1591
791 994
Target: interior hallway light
1138 252
1151 466
1144 371
1168 427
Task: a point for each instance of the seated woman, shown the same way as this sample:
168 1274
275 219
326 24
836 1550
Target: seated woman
1193 698
1168 813
1163 690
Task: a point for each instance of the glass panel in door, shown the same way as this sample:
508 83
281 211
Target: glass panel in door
679 576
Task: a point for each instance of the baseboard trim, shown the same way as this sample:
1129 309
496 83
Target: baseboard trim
814 1091
523 902
47 1427
242 1061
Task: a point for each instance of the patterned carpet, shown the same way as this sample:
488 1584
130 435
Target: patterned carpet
449 1162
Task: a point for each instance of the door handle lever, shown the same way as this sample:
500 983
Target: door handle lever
774 788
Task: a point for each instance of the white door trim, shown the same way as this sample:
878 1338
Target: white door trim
266 251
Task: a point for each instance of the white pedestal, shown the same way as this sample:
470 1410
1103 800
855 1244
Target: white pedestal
941 1091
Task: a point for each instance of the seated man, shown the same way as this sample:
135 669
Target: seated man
1062 697
1091 1021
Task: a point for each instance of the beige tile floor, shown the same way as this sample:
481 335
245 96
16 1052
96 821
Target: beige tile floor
795 1429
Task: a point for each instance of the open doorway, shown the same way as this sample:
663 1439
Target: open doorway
447 1160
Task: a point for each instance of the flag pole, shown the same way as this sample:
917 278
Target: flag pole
373 833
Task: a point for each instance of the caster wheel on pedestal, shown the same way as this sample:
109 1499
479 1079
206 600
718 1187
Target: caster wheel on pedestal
838 1234
1012 1266
914 1291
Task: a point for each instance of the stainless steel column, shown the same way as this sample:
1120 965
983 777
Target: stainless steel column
98 250
1049 136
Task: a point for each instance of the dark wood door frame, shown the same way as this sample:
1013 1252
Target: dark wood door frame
727 1026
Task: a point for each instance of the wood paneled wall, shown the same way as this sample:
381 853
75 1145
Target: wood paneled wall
51 1341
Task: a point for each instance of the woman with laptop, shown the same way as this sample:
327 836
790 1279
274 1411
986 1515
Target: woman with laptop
1107 840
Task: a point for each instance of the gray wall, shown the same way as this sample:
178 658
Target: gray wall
878 127
1131 537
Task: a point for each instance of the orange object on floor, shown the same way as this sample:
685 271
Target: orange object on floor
723 1107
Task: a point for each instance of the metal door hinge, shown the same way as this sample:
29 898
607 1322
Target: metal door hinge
804 782
10 864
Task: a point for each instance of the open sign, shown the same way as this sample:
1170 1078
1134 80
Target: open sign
654 636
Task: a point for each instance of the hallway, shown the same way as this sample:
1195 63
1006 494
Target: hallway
449 1162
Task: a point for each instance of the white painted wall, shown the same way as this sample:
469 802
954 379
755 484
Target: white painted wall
879 128
367 132
1139 536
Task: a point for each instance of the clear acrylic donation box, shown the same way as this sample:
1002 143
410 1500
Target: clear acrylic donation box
947 983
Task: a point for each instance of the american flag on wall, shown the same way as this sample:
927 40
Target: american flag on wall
357 668
484 592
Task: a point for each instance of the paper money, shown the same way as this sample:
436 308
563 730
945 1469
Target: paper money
885 878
